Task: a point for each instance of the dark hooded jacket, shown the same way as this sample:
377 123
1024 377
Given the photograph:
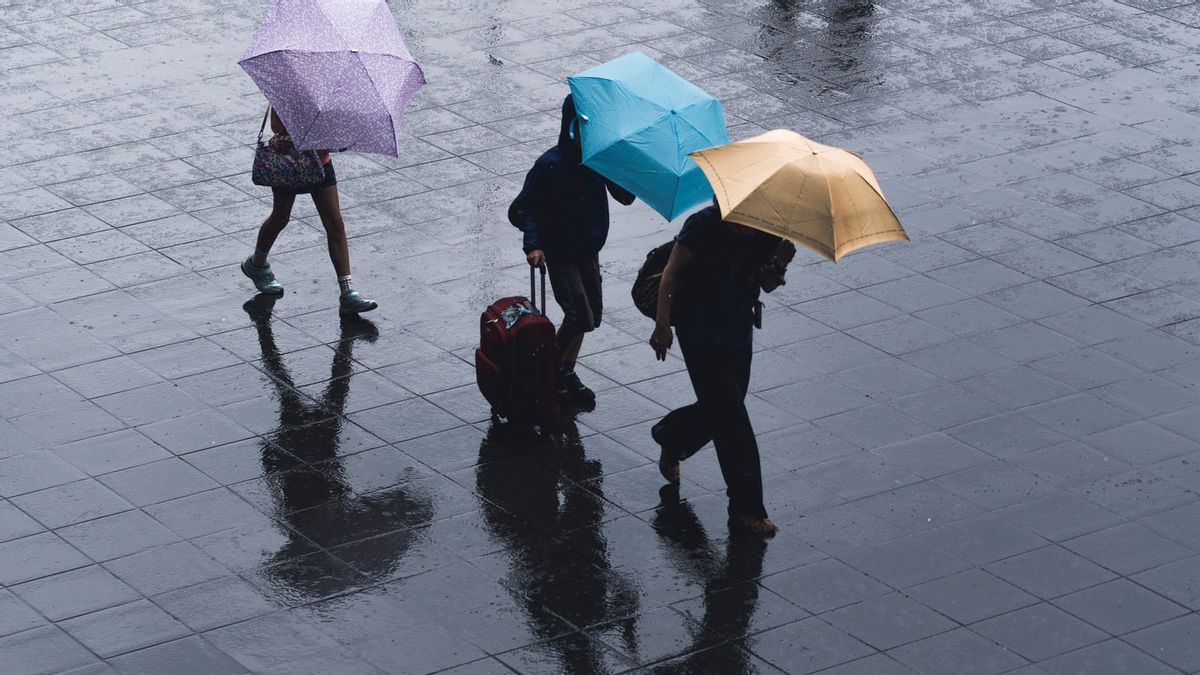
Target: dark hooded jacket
563 208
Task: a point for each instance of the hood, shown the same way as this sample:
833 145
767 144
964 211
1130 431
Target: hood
566 145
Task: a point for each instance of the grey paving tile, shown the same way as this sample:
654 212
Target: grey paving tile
158 482
165 568
932 455
995 484
957 360
37 556
42 651
957 651
15 523
1127 548
1140 443
125 628
18 616
946 406
1050 572
904 562
117 535
874 425
215 603
1060 516
1112 656
111 452
824 585
1085 368
31 472
1120 606
73 593
71 503
1070 464
1134 493
1017 387
847 310
919 507
858 475
876 664
1006 435
970 596
1078 415
888 621
191 655
1154 350
807 646
1173 642
1025 342
1039 632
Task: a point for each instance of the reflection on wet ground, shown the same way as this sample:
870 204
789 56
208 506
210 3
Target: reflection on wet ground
980 445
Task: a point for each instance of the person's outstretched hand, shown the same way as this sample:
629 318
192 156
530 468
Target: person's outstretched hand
536 258
661 341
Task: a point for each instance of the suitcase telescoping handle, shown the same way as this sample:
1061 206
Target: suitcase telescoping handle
533 288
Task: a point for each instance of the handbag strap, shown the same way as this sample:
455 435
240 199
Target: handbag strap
263 127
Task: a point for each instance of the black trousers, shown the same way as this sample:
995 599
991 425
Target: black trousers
720 376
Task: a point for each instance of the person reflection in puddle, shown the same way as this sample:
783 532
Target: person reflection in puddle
824 48
730 593
534 502
304 471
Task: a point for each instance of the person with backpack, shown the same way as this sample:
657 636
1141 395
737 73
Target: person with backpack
563 212
325 197
709 291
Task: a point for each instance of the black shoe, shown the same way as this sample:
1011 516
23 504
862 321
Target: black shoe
668 458
571 387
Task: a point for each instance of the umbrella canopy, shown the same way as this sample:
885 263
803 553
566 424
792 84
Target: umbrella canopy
816 195
639 121
337 72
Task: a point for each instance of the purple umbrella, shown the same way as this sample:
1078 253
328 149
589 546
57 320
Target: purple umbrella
337 72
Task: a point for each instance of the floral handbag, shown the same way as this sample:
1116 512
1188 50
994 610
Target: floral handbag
278 164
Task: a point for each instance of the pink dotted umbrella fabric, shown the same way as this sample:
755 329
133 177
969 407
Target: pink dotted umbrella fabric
336 71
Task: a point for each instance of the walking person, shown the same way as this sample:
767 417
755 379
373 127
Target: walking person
325 196
563 212
709 291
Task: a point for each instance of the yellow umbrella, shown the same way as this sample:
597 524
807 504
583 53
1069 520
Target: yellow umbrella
816 195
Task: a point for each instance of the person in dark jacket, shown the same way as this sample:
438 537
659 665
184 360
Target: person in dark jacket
563 212
709 291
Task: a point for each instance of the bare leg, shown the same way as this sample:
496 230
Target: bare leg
569 344
326 201
281 212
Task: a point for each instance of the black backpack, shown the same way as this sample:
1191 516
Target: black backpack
769 276
645 287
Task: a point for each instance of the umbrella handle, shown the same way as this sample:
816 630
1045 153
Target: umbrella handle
263 126
576 125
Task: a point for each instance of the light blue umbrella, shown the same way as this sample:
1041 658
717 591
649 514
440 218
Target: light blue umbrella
639 121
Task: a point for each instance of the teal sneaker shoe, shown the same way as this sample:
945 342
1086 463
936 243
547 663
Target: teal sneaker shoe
263 278
352 302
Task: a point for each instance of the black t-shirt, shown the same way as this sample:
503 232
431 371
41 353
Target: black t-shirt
719 288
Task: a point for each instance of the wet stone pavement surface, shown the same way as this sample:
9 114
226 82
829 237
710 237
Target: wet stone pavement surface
981 446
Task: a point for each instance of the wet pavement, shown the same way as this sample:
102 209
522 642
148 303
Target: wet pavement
981 446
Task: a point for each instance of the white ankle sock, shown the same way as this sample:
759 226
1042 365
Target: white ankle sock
345 283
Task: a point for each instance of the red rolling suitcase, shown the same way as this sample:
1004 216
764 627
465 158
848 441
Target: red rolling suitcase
517 361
